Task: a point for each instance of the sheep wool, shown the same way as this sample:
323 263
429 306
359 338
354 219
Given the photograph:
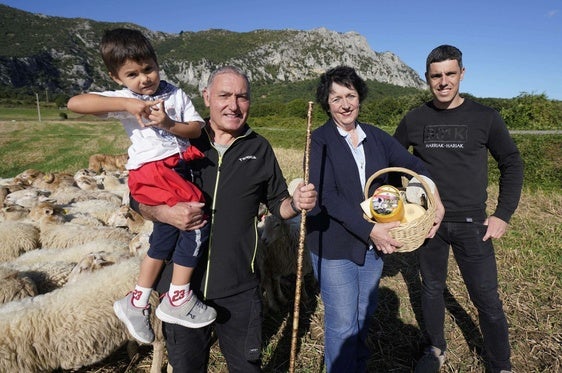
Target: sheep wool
17 238
68 328
15 286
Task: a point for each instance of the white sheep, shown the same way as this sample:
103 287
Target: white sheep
115 182
99 209
55 233
14 213
63 322
44 181
51 268
89 213
126 217
20 281
68 234
66 328
73 194
15 285
27 197
58 214
91 262
86 180
17 238
73 254
140 244
278 257
47 276
61 214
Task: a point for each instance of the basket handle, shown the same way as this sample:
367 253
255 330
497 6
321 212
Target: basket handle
430 196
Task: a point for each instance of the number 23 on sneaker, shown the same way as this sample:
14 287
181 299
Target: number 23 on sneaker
189 312
136 319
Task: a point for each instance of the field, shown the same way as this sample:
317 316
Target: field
529 262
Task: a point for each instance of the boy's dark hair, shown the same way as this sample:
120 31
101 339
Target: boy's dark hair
443 53
343 75
122 44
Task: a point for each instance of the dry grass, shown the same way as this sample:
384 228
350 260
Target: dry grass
529 265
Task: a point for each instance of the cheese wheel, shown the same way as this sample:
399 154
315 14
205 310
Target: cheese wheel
387 205
413 211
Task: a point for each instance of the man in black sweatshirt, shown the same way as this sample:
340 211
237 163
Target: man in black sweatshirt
453 135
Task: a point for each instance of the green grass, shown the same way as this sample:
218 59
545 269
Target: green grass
65 145
56 145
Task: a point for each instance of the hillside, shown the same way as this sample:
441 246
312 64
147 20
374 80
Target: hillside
60 55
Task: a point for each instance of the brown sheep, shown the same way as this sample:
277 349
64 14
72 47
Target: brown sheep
106 162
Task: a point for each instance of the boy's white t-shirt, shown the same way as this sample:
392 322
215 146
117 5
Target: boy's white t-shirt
150 143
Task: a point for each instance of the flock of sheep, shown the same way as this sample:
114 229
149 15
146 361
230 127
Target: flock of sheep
69 247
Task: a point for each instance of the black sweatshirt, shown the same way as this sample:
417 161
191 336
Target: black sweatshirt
454 143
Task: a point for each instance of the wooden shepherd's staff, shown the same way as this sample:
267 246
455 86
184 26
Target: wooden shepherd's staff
301 248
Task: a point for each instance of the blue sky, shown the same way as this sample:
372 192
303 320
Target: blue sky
509 46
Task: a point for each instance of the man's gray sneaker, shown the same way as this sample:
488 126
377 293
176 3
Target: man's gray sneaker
192 313
136 319
431 361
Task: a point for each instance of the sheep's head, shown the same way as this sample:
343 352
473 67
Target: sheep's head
273 229
26 197
47 212
90 263
86 182
14 212
120 217
28 176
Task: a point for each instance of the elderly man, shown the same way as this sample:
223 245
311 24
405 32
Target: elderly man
238 173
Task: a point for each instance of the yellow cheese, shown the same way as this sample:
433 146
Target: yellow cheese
387 205
413 211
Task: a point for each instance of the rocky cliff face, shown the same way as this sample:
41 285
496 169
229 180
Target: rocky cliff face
303 55
61 55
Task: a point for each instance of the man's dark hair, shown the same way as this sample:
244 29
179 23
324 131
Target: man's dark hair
443 53
122 44
343 75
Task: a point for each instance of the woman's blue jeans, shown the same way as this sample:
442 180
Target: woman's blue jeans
477 263
349 293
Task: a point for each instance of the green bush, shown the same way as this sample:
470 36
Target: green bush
532 112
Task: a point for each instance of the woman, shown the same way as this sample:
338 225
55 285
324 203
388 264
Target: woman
347 250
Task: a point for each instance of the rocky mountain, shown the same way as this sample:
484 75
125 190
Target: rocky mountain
61 54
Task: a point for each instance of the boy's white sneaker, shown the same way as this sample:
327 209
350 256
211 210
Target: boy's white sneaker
192 313
136 319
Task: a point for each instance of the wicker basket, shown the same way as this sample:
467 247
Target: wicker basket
413 233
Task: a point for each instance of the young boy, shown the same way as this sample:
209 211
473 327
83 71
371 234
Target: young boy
158 118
